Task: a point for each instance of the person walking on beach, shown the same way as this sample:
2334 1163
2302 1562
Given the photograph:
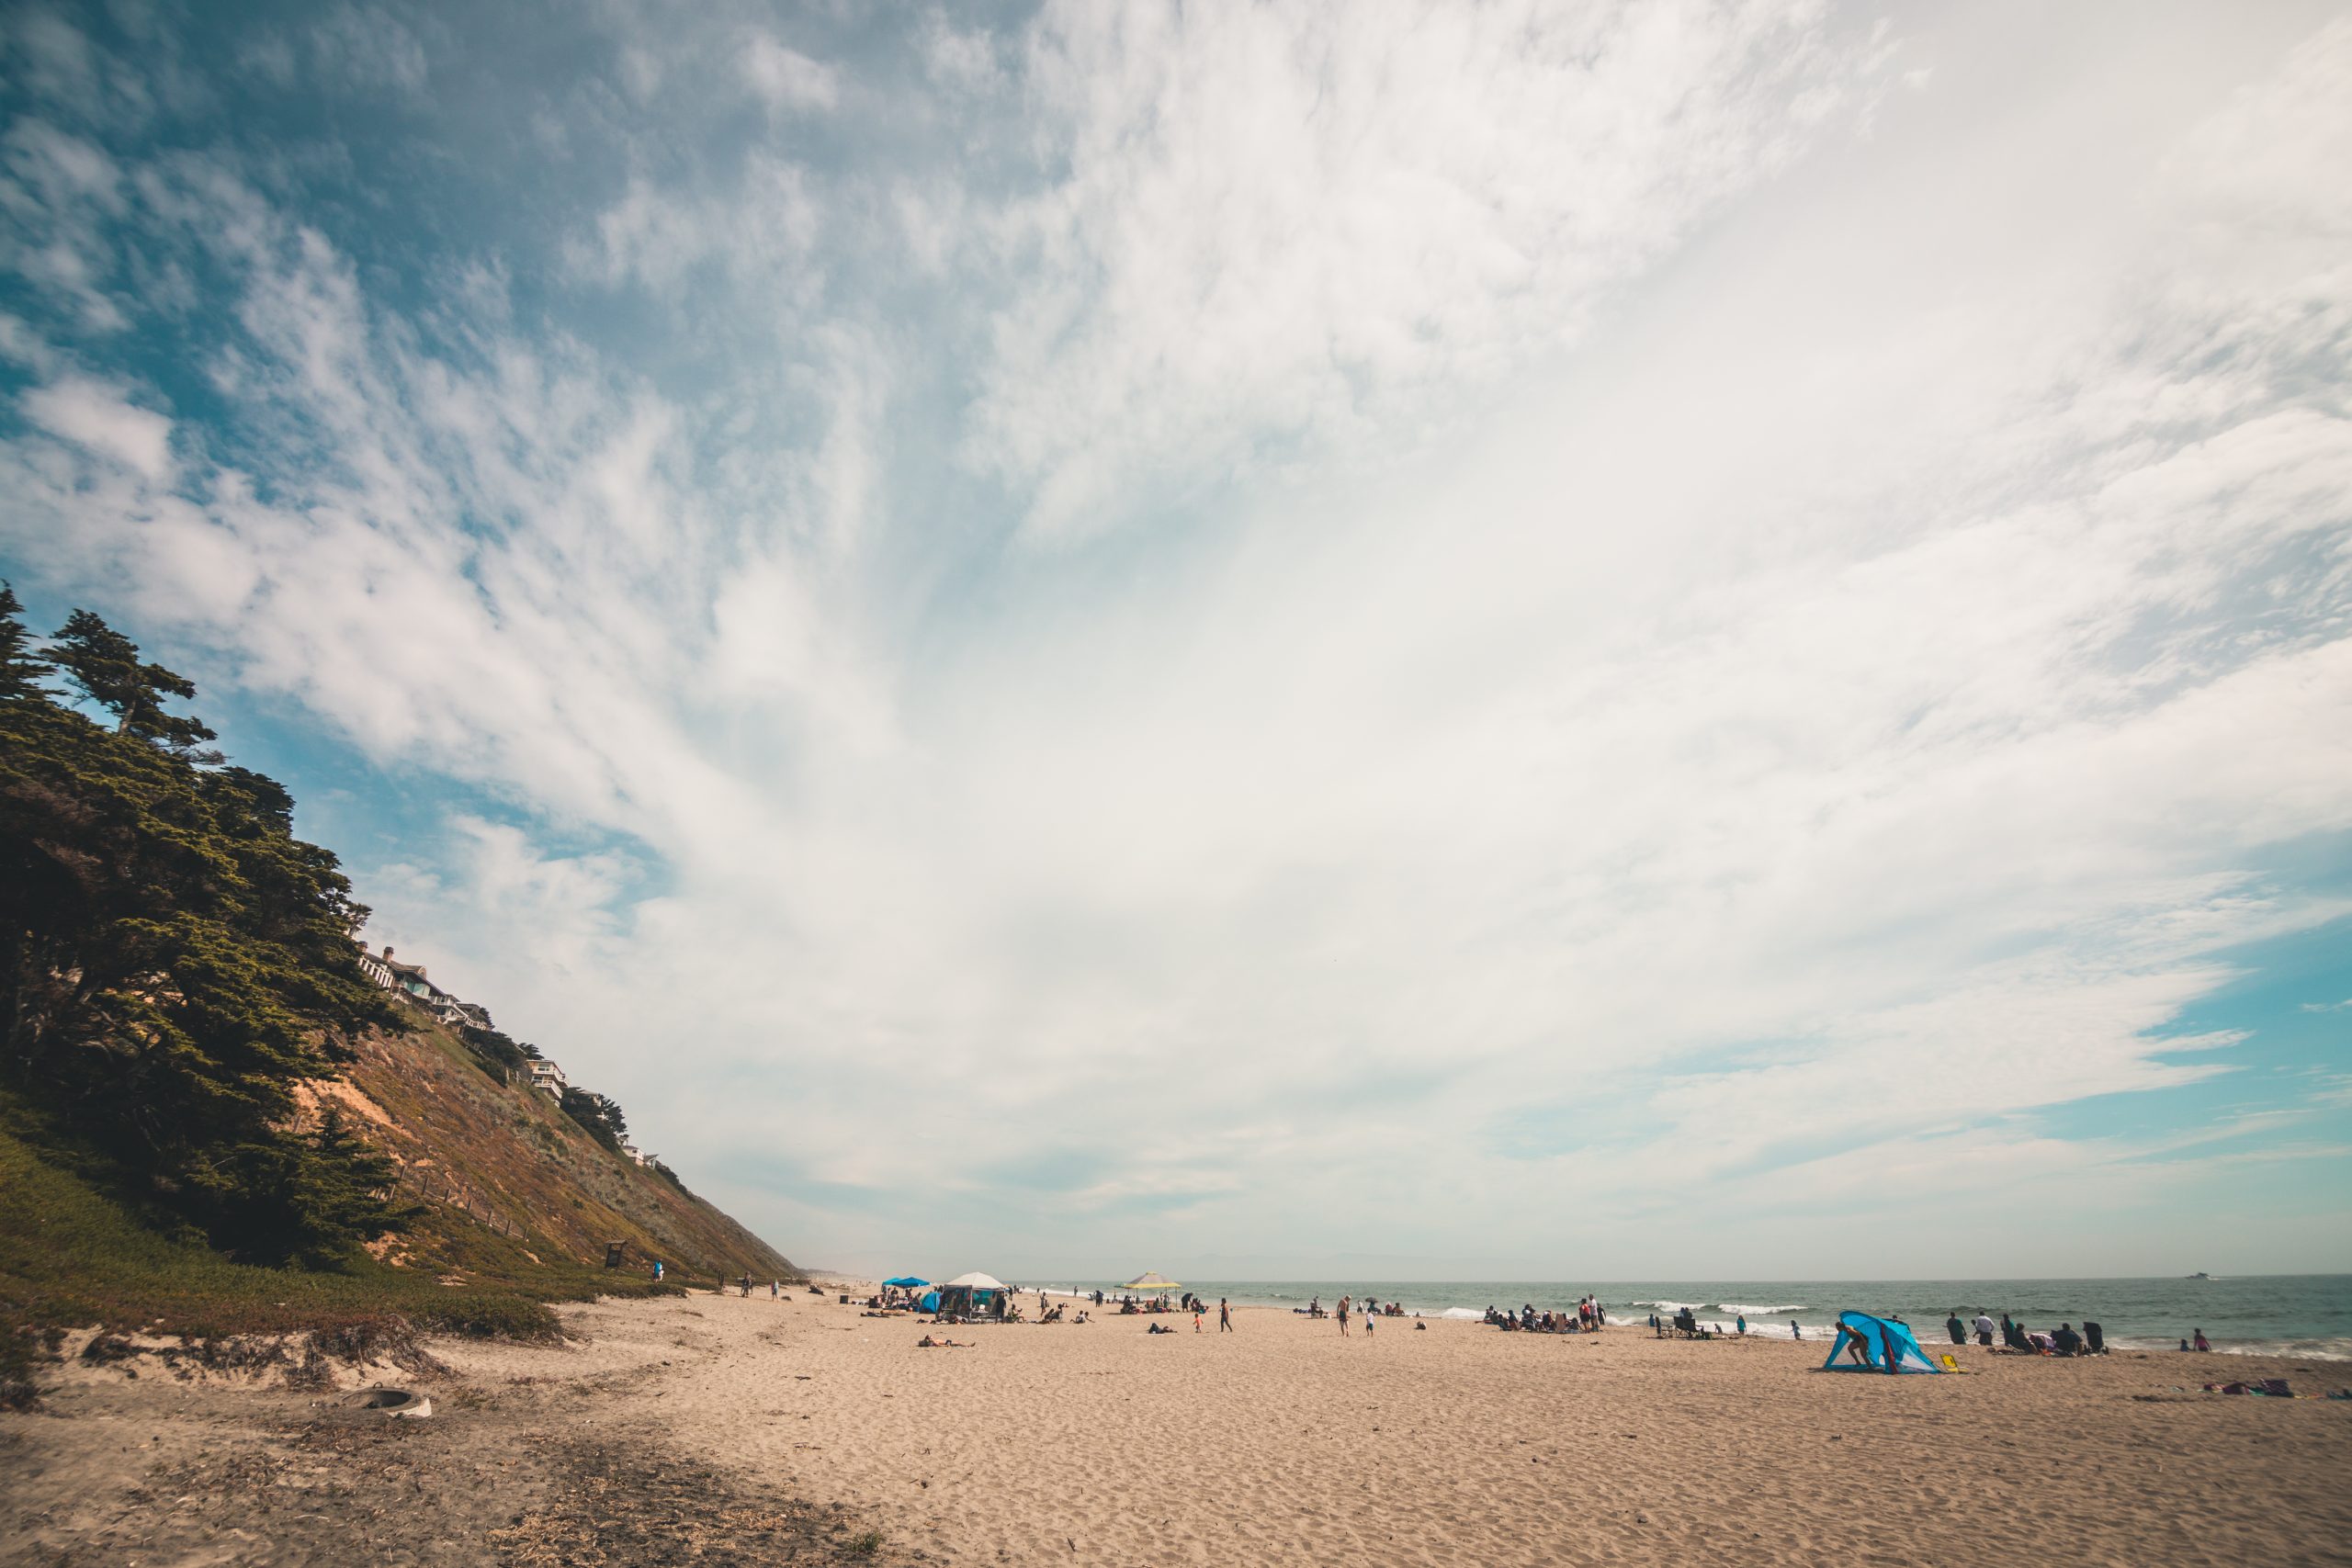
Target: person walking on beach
1343 1317
1224 1317
1953 1326
1369 1312
1794 1332
1984 1329
1743 1326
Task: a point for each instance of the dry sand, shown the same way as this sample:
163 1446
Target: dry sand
1282 1442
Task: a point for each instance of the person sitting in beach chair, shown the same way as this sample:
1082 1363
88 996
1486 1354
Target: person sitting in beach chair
1686 1321
2066 1342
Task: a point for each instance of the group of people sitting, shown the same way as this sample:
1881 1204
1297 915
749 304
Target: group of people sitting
1587 1317
2015 1339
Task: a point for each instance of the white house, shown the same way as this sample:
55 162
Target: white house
545 1075
375 968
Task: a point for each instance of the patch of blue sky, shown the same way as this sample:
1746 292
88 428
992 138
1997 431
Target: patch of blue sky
2291 1051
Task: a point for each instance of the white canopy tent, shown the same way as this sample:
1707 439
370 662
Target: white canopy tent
975 1283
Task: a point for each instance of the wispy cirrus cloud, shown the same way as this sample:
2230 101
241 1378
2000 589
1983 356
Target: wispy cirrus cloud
1400 611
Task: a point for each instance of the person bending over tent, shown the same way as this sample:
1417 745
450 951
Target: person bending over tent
1875 1344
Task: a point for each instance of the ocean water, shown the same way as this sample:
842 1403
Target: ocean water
2272 1315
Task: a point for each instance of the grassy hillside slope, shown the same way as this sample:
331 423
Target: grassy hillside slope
499 1167
514 1206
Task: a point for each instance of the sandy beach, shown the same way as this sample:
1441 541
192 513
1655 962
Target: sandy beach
1279 1442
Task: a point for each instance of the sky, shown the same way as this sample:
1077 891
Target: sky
1560 641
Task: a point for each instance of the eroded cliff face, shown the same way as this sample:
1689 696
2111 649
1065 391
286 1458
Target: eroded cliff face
498 1166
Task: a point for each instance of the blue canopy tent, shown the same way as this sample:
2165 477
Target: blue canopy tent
907 1282
1880 1339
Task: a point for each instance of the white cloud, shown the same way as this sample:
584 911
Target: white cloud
1288 225
1683 684
369 48
100 417
787 79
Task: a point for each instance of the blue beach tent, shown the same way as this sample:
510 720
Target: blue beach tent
1879 1339
906 1283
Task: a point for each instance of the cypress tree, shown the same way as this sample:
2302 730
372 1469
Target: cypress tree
173 963
20 671
107 666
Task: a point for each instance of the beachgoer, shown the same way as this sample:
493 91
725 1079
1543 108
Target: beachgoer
1886 1343
1794 1332
1856 1351
1344 1316
1984 1329
2202 1343
657 1270
2184 1344
1368 1318
1743 1326
747 1287
1224 1317
2068 1342
1198 1308
1956 1329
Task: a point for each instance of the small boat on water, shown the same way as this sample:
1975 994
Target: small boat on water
2201 1276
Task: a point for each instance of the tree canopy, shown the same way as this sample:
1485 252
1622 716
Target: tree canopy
174 961
107 666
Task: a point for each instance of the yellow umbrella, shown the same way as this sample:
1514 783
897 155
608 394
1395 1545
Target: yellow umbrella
1147 1281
